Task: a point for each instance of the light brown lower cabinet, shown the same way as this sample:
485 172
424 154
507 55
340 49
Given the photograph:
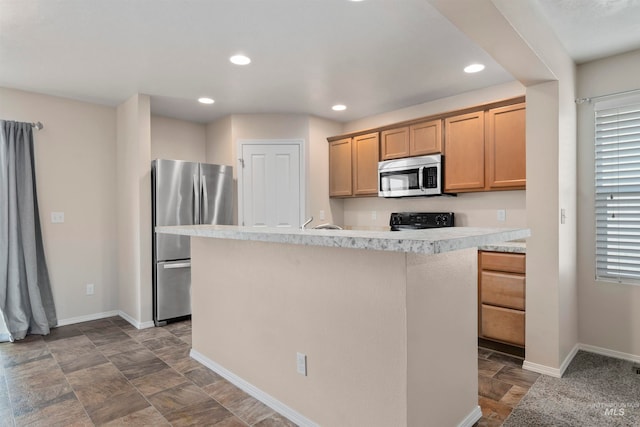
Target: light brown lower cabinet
503 324
501 297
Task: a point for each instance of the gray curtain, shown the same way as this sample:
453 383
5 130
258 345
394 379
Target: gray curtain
26 301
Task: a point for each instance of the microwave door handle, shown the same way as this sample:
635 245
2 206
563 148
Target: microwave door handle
421 178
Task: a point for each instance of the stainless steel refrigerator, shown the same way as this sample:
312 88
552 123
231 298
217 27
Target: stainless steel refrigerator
183 193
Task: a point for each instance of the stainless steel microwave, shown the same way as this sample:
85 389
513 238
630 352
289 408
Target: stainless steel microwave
411 176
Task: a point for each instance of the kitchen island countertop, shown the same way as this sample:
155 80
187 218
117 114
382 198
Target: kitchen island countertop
431 241
508 247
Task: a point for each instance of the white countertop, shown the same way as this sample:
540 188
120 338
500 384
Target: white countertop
510 247
432 241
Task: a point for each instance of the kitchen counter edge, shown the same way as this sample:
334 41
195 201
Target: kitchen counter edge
432 241
508 247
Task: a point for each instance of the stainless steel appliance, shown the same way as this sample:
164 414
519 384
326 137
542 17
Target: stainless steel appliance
411 176
420 220
183 193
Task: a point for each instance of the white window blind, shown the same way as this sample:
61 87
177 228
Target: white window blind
617 180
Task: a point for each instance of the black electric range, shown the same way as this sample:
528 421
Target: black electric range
420 220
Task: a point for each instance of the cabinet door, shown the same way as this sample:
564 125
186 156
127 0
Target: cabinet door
394 143
503 324
365 164
506 145
464 153
425 138
340 173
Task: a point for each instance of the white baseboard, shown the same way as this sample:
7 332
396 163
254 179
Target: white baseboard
98 316
250 389
87 318
550 371
558 372
134 322
472 418
610 353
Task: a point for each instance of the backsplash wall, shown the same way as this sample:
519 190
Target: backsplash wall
470 209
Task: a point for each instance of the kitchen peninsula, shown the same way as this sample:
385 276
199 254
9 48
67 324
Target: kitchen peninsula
387 320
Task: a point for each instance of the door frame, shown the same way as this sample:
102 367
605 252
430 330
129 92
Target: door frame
303 171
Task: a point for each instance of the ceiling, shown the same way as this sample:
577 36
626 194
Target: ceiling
594 29
307 55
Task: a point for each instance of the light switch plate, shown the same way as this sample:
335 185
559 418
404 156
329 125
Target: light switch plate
502 215
57 217
301 363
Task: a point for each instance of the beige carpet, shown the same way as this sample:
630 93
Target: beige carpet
595 391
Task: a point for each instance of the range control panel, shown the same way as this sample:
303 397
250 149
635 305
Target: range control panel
420 220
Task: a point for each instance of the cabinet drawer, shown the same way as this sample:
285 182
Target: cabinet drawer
503 289
500 261
503 324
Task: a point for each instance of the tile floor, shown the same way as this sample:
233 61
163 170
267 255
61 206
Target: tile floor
502 383
106 372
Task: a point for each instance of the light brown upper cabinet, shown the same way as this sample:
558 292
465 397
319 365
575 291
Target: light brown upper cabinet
464 153
425 138
365 164
340 175
353 166
506 147
486 150
394 143
415 140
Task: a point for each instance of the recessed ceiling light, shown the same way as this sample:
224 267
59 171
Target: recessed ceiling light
473 68
240 60
339 107
205 100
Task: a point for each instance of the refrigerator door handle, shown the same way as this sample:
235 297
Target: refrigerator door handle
196 200
205 200
177 265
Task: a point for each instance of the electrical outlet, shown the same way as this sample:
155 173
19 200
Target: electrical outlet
636 369
57 217
374 215
301 363
322 216
502 215
90 289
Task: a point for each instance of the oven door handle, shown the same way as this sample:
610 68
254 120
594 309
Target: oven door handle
421 178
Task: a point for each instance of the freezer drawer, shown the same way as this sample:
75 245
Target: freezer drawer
173 290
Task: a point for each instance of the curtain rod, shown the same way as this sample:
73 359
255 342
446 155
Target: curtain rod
37 125
583 100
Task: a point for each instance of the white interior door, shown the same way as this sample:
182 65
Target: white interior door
271 184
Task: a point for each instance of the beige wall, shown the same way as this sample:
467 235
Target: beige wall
517 36
471 210
219 143
177 139
76 174
552 315
222 147
134 209
318 173
609 312
452 103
